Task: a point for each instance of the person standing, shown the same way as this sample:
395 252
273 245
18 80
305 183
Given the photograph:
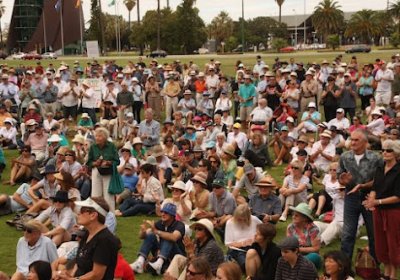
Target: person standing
247 93
347 96
384 77
308 91
384 201
103 157
88 100
356 174
153 97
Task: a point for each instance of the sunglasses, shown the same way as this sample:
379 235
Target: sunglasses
332 169
295 168
199 229
27 151
86 210
70 155
193 273
387 150
217 187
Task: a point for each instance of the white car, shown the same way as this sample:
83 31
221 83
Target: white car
49 55
19 55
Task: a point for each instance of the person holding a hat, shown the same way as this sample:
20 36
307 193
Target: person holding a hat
323 152
293 265
306 232
61 217
384 78
8 134
69 99
33 246
265 204
308 91
203 246
165 235
98 248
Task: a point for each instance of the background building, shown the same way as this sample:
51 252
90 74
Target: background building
36 25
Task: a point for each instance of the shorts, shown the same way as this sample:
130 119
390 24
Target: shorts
125 194
245 113
70 111
383 97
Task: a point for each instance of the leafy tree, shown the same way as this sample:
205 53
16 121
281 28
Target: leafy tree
280 3
278 43
366 24
259 28
221 27
333 41
95 31
189 26
395 39
129 4
394 11
109 31
327 17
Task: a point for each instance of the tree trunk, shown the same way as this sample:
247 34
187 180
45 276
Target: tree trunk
158 25
280 14
1 36
138 21
103 41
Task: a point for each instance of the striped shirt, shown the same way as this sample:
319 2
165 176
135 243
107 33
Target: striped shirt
302 270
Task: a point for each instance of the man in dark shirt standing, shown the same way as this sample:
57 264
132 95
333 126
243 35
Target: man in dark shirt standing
164 236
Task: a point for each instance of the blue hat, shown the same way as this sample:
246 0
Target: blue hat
170 209
284 128
50 169
210 144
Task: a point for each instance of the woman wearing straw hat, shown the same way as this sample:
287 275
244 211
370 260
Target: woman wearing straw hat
228 164
306 232
199 194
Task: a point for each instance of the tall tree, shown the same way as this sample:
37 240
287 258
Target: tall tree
2 11
280 3
366 25
394 11
129 4
221 27
327 18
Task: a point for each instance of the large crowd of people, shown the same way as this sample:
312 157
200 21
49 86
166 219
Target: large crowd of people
200 161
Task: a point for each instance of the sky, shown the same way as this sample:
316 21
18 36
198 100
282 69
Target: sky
211 8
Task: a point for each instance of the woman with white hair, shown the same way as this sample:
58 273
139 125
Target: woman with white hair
384 201
103 157
239 233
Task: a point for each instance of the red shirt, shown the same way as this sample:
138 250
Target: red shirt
34 116
123 270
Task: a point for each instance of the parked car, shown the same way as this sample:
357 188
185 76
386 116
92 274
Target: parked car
287 49
49 55
157 53
358 48
19 55
32 56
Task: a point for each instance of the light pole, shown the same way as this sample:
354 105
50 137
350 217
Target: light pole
295 28
242 26
305 19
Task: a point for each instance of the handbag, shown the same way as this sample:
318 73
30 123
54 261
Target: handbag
105 170
116 185
366 266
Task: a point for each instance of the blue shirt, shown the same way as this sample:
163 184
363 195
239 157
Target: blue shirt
130 182
247 91
315 116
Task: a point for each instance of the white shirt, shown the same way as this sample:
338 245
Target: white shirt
321 162
70 99
9 133
110 95
237 233
344 123
261 114
258 67
89 101
240 139
223 103
384 85
48 125
376 127
212 81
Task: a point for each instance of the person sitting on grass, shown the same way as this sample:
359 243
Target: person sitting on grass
294 188
31 247
262 258
203 246
282 144
43 190
323 199
337 266
85 121
130 181
306 232
293 265
164 236
20 201
61 217
22 167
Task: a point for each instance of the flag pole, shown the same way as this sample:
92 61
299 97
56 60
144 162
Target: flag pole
80 24
44 29
62 27
116 26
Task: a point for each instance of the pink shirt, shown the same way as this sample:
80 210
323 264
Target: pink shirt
37 142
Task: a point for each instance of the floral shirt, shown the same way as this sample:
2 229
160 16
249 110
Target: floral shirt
305 236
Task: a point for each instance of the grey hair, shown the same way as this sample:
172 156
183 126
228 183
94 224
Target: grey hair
392 144
221 134
361 132
102 130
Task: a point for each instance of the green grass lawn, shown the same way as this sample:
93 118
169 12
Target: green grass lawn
128 228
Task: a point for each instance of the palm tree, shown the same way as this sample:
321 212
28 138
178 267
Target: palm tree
130 4
280 3
366 24
327 17
221 27
2 11
394 11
